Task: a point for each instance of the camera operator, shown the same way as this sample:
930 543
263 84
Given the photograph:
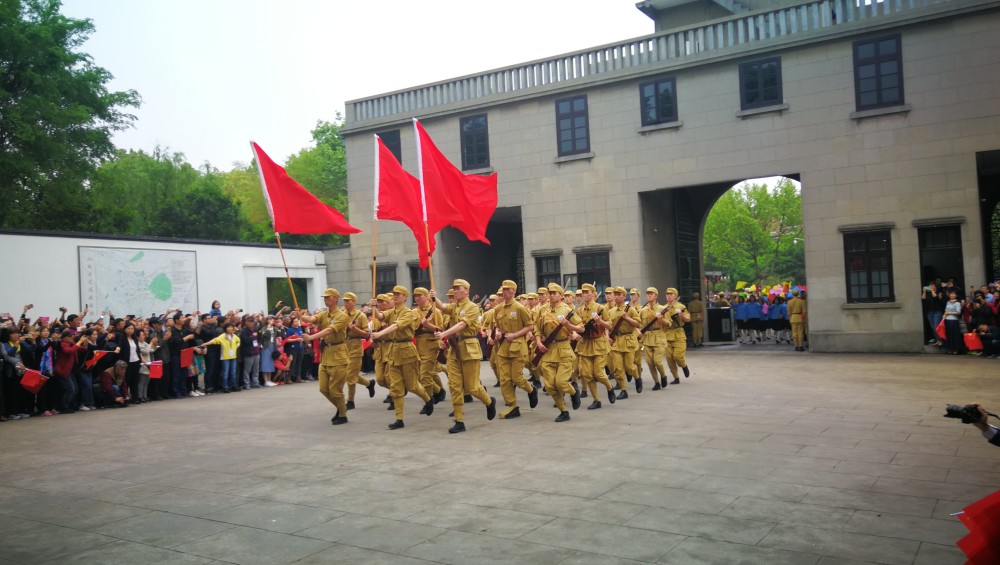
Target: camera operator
991 433
990 336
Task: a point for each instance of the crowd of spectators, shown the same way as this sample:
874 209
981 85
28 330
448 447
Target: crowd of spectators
760 317
115 362
970 320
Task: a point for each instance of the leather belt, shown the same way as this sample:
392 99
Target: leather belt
356 337
400 340
468 338
559 340
341 342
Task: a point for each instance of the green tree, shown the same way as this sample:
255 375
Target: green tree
56 116
755 234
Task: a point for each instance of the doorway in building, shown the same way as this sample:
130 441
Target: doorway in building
484 266
988 169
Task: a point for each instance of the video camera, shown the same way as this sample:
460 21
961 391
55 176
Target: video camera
969 414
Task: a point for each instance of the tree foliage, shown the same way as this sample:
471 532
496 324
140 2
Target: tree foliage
56 116
754 234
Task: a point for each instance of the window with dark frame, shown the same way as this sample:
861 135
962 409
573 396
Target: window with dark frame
391 140
573 125
878 72
594 268
659 101
548 270
868 266
474 132
385 278
760 83
420 277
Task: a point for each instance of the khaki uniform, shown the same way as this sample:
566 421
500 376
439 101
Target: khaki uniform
676 339
697 310
428 348
624 344
463 364
556 364
355 352
510 354
654 341
593 351
378 355
402 358
487 326
796 317
334 360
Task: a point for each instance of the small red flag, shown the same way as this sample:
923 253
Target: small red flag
156 370
982 544
187 357
33 380
294 209
466 202
397 197
93 360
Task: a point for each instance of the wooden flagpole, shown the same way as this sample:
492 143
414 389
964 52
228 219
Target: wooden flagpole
375 138
291 287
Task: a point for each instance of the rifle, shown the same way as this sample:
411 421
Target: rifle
589 331
549 339
618 323
651 322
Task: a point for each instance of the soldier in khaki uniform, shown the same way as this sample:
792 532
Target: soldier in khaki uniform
697 310
357 330
465 354
383 302
428 347
511 324
487 324
557 359
654 340
676 339
624 319
402 358
796 316
333 363
637 354
593 348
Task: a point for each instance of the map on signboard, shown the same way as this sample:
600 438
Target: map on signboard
138 281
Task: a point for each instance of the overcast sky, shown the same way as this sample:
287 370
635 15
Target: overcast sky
215 73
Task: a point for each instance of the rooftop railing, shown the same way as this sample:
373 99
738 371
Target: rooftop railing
648 51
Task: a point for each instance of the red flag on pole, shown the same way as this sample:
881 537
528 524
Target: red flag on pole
466 202
397 197
33 380
294 209
93 360
187 357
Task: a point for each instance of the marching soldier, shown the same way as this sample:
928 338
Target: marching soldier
333 363
464 355
428 347
511 325
593 347
487 325
382 304
402 358
555 324
624 320
637 353
357 330
676 339
697 310
654 340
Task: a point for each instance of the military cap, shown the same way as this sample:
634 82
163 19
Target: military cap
543 290
451 292
331 292
350 296
400 289
634 291
671 290
568 293
509 284
460 282
653 290
383 297
696 295
520 297
553 287
532 295
795 292
494 297
579 292
420 290
588 286
618 290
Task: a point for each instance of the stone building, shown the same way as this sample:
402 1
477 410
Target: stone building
610 158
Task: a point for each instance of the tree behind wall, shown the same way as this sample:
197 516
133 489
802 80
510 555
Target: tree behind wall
56 116
754 234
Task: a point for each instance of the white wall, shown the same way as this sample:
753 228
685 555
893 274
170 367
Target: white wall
44 271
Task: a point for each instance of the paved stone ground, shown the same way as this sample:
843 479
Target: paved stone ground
762 456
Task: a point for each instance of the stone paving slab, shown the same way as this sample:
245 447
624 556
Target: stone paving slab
767 457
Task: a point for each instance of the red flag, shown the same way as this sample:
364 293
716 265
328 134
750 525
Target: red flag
187 357
33 380
982 544
93 360
294 209
466 202
397 197
156 370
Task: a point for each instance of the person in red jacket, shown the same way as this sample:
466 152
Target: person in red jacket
113 389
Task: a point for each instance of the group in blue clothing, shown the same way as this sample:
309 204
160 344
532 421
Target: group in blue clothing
758 320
